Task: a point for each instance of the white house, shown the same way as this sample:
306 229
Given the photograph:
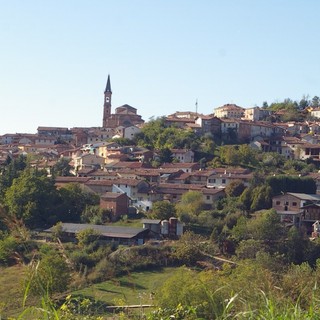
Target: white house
183 155
130 132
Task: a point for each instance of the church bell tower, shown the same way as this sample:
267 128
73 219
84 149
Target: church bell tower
107 103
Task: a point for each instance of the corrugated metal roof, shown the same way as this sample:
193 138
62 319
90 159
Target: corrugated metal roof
151 221
107 231
304 196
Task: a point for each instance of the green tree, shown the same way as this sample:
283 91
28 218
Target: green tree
74 201
304 102
315 101
248 249
235 188
285 183
123 141
229 155
240 231
165 155
95 215
271 161
290 108
245 199
208 145
261 198
191 204
296 246
266 226
149 135
156 134
87 236
62 168
188 249
163 210
10 171
32 197
247 155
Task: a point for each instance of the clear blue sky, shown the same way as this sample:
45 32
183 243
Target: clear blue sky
161 56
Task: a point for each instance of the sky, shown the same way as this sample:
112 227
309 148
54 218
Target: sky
163 56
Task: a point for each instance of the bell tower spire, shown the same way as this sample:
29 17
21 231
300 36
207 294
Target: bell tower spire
107 103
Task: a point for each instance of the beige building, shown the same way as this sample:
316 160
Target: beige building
256 114
231 111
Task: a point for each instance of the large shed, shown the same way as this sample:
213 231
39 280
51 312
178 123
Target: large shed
123 235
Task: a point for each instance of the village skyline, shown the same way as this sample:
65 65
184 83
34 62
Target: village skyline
162 57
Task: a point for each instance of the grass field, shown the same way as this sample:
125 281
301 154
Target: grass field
11 290
132 289
135 288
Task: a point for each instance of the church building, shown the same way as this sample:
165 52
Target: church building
125 115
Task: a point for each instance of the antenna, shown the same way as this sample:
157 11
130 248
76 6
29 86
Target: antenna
197 106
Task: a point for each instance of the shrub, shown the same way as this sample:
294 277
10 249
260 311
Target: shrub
8 247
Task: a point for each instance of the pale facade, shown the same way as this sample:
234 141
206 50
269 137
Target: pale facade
230 111
88 160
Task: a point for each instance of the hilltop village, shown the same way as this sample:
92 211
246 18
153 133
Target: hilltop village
127 176
174 215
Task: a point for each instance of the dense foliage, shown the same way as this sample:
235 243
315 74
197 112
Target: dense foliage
283 183
235 260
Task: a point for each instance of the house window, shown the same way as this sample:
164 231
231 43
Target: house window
294 204
208 197
223 180
278 203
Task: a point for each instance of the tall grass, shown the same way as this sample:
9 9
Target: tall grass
268 309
